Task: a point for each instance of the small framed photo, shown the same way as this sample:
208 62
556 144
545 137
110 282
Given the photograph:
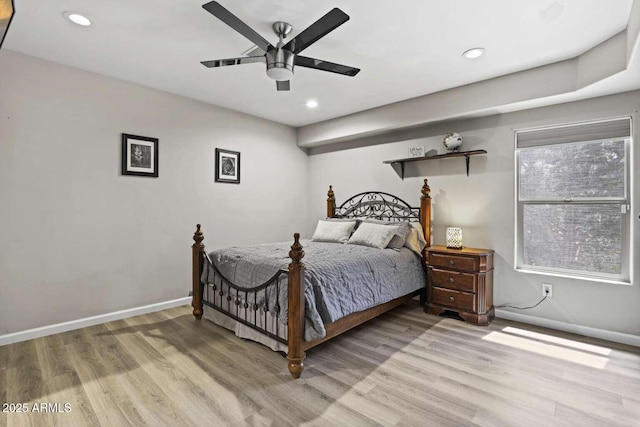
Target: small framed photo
227 166
139 155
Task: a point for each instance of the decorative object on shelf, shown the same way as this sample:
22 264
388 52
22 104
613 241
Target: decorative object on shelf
227 166
416 152
139 155
454 238
452 141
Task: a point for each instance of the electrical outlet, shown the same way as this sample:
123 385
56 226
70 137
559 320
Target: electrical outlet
547 290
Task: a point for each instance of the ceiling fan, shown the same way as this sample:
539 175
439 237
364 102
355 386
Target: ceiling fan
282 58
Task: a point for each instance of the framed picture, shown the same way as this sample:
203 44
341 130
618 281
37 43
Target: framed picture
227 166
7 12
139 155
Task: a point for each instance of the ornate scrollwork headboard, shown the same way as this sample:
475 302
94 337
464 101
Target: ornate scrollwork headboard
385 206
378 205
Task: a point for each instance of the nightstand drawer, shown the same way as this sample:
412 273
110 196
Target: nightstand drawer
453 299
453 262
454 280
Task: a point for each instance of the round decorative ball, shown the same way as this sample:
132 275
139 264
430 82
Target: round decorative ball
452 141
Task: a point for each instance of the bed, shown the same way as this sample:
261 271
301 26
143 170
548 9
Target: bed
266 293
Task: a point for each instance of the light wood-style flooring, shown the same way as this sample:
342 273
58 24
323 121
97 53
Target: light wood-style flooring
404 368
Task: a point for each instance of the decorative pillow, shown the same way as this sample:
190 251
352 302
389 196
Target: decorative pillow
373 235
402 231
358 221
333 231
415 239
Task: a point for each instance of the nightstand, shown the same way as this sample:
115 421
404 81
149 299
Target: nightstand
460 280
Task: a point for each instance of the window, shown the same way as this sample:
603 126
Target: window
573 200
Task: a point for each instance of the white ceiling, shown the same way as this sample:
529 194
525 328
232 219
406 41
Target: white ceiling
405 49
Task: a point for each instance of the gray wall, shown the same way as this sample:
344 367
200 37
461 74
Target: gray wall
483 203
78 239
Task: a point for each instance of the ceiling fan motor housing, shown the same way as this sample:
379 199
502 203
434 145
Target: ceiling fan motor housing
280 63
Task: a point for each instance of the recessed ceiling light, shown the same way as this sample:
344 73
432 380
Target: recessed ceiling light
312 103
78 19
473 53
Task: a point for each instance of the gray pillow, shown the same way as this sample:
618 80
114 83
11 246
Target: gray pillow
401 233
415 239
372 235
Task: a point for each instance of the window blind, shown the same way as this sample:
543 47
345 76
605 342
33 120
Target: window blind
593 131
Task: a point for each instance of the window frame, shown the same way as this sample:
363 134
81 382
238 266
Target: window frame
626 221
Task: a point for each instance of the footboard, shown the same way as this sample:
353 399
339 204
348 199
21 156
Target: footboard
256 307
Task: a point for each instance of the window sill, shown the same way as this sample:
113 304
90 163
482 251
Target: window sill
575 277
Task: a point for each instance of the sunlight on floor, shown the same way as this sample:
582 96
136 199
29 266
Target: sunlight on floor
551 350
561 341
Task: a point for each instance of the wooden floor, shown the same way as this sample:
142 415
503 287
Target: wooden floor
404 368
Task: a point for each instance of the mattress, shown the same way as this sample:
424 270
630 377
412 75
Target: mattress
340 279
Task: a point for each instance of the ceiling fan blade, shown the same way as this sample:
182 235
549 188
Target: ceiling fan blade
232 61
319 64
283 85
255 51
317 30
234 22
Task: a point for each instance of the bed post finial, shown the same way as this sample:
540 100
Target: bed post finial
198 237
425 212
296 253
331 202
426 190
295 325
197 250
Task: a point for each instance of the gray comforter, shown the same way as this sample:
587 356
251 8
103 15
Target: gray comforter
340 279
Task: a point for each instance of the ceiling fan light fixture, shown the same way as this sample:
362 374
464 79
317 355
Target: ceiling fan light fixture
473 53
77 19
279 73
280 64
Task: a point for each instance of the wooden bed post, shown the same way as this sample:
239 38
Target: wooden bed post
197 248
295 323
425 212
331 203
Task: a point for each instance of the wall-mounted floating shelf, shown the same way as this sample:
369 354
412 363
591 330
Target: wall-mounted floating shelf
466 154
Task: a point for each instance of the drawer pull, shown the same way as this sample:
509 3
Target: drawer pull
451 280
452 299
452 262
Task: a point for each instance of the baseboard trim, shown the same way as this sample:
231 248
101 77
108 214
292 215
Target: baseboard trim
587 331
44 331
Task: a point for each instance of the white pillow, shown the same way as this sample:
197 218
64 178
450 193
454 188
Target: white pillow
373 235
333 231
402 230
415 239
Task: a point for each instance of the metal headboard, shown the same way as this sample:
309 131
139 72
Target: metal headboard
378 205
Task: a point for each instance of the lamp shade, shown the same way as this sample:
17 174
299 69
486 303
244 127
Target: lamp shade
454 237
